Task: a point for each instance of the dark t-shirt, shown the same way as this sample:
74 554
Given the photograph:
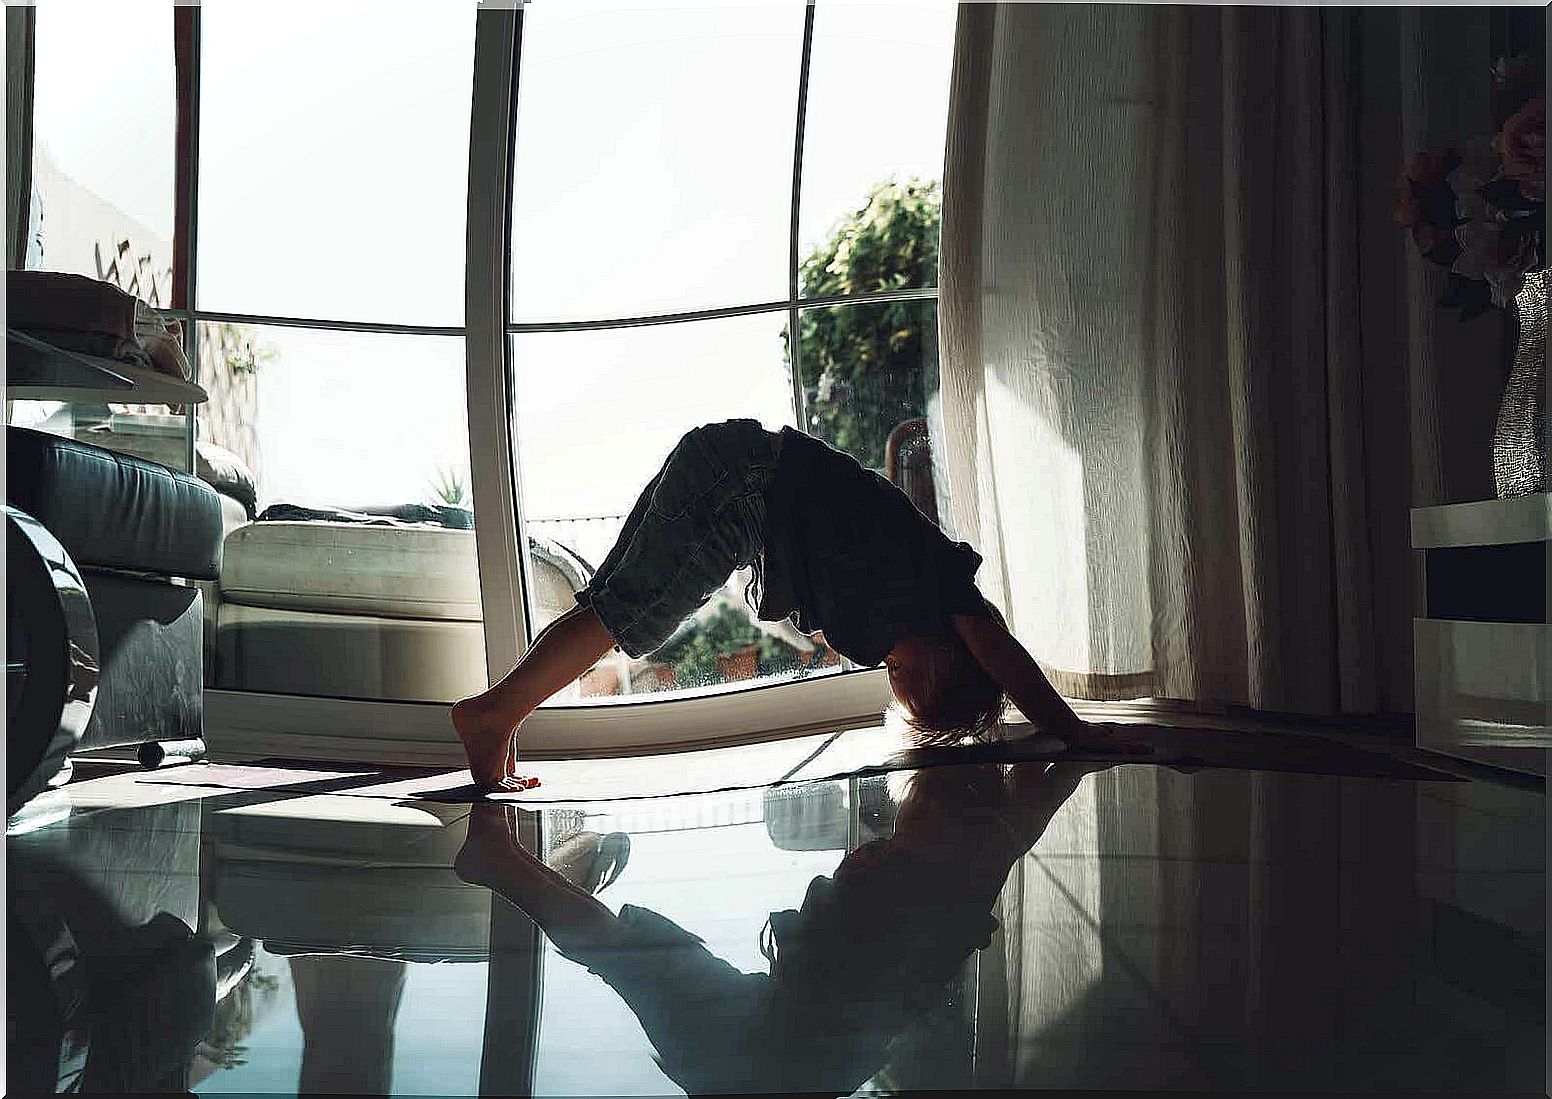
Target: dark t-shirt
847 552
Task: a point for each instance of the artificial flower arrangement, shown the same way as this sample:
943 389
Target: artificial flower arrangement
1482 213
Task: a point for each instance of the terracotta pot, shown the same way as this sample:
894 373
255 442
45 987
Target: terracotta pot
743 664
826 657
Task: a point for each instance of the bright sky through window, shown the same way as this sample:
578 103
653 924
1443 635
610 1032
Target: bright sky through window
103 104
653 173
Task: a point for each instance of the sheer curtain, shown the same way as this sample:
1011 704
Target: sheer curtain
1186 399
19 51
1192 382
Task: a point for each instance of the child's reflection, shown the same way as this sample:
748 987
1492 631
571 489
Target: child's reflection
870 949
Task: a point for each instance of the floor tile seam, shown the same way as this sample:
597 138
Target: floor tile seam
1432 794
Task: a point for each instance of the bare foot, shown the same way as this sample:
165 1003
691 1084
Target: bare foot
489 744
491 845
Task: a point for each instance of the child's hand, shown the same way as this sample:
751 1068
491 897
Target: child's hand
1102 736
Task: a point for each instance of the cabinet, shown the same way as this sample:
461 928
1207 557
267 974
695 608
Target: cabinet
1481 649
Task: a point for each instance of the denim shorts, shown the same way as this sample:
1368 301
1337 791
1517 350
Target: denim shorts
699 519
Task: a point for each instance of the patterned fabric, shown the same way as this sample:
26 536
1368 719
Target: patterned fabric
700 518
847 552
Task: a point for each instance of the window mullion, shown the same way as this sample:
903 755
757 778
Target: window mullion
221 316
794 344
186 61
493 460
20 79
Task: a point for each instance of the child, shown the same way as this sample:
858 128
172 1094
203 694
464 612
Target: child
832 545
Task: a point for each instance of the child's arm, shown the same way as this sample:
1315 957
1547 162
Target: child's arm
1006 661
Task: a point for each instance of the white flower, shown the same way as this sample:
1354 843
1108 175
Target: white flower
1475 171
1478 242
1505 284
1481 257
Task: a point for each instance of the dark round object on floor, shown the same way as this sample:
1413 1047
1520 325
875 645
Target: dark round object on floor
170 753
52 664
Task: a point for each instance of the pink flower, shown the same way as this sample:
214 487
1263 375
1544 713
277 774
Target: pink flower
1433 165
1422 190
1487 254
1408 210
1522 143
1427 237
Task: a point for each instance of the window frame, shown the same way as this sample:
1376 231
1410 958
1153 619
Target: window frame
239 723
242 722
854 697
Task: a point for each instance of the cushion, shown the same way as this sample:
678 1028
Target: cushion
330 873
113 511
44 300
226 473
347 655
353 568
218 467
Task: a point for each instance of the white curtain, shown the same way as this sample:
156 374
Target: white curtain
19 50
1192 381
1186 399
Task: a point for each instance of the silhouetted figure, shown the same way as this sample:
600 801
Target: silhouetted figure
835 547
871 949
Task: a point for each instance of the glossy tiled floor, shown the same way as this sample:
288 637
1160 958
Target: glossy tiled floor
265 930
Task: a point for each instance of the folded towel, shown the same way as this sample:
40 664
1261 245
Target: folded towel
92 317
163 341
55 301
98 344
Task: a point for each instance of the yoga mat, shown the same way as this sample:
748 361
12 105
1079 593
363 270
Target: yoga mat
561 781
1192 750
852 754
255 776
870 751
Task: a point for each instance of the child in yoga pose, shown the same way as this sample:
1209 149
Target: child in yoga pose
832 545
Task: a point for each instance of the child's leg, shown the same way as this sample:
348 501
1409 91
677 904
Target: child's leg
574 920
707 1021
696 521
487 722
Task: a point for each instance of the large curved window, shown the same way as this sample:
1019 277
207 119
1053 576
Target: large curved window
101 200
327 289
689 188
701 213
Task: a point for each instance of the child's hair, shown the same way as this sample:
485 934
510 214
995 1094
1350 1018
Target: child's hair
960 702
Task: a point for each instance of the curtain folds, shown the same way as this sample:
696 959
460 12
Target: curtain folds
1191 383
20 21
1179 346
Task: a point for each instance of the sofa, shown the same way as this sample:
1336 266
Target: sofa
141 535
381 602
357 610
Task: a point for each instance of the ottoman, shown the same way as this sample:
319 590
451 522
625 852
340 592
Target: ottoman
351 610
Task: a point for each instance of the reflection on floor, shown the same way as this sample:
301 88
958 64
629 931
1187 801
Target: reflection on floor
292 928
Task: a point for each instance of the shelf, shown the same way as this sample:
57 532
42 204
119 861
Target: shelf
1484 523
39 371
1481 683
